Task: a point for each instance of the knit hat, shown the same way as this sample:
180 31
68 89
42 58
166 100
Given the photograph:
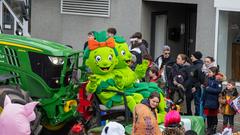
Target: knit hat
172 118
197 54
113 128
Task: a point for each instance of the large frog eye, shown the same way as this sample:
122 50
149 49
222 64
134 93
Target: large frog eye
98 58
110 57
123 52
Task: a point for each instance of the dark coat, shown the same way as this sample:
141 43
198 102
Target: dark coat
213 89
165 61
198 77
179 70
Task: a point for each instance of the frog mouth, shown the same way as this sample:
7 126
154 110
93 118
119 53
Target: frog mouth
105 68
128 62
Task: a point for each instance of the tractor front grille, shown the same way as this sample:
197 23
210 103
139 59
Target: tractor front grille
17 79
11 56
12 59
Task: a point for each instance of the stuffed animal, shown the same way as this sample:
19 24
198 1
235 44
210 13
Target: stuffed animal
113 128
15 118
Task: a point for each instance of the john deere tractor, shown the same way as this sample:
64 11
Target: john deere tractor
39 70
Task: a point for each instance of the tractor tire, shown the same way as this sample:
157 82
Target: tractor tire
19 96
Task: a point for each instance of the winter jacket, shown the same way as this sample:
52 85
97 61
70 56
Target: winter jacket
224 96
145 120
211 93
182 70
161 61
198 76
138 52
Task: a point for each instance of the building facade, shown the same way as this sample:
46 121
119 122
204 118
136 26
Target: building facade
185 25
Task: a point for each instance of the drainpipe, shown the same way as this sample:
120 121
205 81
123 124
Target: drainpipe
216 34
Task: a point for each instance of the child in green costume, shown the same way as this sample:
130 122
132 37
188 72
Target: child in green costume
130 77
101 59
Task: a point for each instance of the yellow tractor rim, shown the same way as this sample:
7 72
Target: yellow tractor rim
1 109
53 128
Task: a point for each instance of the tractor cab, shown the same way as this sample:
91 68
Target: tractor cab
46 71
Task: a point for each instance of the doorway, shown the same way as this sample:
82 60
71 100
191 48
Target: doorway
228 44
173 24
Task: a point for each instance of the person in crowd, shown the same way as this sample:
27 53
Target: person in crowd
137 37
225 99
113 128
138 48
191 132
172 124
150 65
208 62
162 60
145 116
90 36
154 76
179 80
164 57
210 100
111 32
197 79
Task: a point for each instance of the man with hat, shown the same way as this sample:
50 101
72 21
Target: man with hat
198 79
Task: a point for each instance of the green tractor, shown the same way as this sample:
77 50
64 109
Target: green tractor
40 70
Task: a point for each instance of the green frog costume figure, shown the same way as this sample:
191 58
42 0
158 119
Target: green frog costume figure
130 77
101 59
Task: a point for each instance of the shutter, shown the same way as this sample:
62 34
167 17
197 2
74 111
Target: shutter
86 7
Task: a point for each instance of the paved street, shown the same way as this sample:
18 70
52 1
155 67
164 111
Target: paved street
236 122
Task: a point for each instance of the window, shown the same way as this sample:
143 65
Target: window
86 7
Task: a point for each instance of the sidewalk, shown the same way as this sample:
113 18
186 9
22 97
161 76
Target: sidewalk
236 122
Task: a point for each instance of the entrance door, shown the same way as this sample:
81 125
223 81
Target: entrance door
190 34
160 34
14 17
236 62
173 24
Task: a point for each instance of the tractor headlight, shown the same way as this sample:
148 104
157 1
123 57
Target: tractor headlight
56 60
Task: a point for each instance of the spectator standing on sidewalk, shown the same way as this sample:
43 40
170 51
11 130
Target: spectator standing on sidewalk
225 98
138 48
197 79
162 60
211 103
208 62
178 79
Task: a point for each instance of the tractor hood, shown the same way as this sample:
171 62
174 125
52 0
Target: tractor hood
35 45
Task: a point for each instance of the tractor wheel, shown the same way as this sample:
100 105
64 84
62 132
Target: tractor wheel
60 129
19 96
